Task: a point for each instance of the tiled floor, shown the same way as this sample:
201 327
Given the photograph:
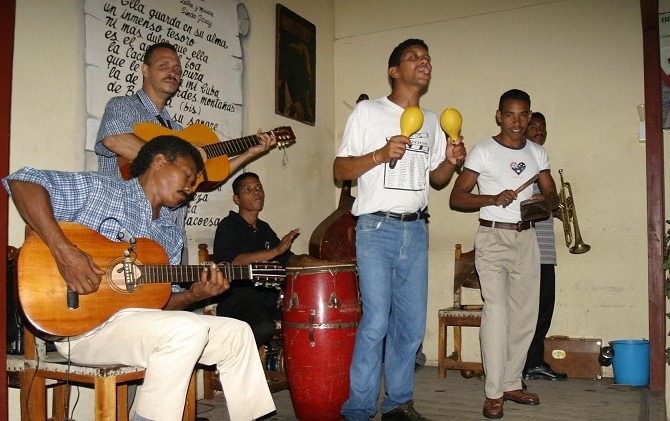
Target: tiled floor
457 398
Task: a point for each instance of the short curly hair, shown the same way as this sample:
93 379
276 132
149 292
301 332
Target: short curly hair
149 53
237 183
172 147
513 94
396 54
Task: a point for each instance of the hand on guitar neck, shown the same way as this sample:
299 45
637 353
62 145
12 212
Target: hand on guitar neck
216 153
266 139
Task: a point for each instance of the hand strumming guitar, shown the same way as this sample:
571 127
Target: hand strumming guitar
78 269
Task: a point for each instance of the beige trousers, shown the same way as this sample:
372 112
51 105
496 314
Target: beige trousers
168 344
508 264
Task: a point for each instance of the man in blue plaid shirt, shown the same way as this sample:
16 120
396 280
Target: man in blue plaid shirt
167 344
161 73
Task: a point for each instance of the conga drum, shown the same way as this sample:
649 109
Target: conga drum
321 315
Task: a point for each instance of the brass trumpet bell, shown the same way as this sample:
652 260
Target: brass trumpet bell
569 219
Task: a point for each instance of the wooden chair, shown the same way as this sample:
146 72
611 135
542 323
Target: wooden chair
211 384
16 362
459 315
42 369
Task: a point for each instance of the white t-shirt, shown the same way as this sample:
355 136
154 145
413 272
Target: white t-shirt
503 168
404 188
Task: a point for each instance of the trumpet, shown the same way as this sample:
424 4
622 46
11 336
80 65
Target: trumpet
569 219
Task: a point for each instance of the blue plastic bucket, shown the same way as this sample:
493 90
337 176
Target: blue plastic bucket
631 361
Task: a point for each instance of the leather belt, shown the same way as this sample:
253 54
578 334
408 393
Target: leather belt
405 217
519 226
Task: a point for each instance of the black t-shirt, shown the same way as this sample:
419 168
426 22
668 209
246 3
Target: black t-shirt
235 236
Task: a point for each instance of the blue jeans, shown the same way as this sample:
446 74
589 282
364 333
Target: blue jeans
393 276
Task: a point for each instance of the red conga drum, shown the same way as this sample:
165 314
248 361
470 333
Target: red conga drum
321 315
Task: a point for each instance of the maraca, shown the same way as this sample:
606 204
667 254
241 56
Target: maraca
451 122
411 121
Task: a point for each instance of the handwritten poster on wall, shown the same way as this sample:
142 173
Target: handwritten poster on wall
205 34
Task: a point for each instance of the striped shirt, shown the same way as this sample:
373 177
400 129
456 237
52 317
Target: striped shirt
544 230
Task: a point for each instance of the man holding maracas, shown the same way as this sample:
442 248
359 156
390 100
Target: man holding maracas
391 233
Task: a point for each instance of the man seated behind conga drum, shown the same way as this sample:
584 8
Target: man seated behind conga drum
242 238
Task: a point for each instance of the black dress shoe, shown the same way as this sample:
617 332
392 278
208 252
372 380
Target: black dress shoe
404 412
543 372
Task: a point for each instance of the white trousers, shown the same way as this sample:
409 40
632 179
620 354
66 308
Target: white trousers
508 264
168 344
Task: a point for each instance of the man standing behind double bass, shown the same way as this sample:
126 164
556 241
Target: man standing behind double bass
536 367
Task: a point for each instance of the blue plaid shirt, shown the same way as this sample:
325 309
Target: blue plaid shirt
106 204
121 115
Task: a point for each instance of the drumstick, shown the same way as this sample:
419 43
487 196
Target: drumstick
526 184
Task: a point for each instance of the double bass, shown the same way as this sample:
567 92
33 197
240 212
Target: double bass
334 239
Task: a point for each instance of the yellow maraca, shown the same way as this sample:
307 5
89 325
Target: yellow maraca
451 122
411 121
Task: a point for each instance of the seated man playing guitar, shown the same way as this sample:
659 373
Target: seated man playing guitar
167 344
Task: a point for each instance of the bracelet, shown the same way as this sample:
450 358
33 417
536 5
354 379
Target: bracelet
373 157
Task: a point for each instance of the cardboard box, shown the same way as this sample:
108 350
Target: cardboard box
577 357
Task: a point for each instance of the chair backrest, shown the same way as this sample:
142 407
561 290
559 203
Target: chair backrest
465 274
203 254
32 347
14 319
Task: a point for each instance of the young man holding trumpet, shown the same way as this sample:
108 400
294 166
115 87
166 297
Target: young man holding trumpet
507 256
393 171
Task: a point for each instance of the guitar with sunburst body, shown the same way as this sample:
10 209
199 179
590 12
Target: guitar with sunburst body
217 166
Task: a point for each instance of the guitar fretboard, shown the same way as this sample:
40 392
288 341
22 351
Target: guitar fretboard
231 147
259 272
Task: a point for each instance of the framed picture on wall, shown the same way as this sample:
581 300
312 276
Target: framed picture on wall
295 67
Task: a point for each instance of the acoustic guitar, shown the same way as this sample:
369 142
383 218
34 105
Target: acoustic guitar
217 167
136 276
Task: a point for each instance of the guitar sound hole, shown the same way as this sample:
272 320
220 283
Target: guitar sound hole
116 276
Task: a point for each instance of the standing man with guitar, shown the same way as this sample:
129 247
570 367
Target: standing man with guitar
167 343
161 77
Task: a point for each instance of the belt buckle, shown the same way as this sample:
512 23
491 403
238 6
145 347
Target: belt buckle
404 217
519 226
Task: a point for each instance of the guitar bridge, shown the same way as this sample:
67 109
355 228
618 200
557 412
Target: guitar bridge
128 273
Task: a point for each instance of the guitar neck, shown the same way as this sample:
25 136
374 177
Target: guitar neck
153 274
231 147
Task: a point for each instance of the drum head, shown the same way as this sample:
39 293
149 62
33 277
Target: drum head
332 267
